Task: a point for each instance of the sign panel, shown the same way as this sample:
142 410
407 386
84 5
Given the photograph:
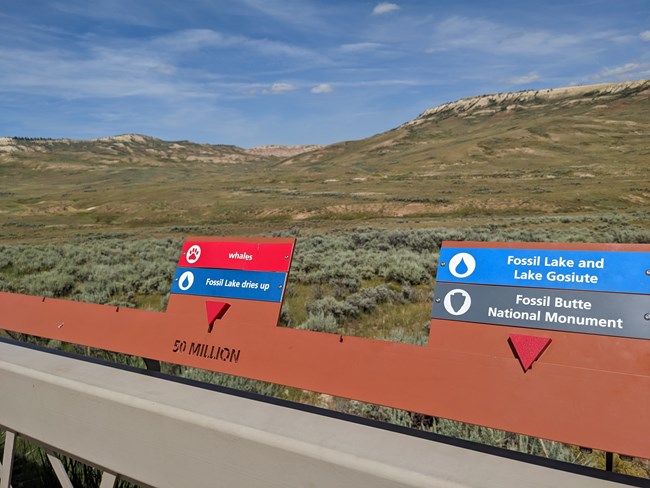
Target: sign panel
589 378
611 314
228 283
611 271
252 256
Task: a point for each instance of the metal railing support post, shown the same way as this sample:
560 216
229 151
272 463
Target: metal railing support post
59 469
109 480
7 466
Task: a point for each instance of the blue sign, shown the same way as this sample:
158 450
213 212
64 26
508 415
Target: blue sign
229 283
610 271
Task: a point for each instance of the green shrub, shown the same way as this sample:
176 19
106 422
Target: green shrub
320 322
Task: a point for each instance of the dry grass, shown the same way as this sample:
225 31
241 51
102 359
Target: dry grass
546 157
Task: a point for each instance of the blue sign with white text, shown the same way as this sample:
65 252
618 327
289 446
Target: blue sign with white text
229 283
609 271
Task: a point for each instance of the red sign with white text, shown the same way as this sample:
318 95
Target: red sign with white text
249 256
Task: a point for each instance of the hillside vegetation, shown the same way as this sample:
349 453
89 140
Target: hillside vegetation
570 153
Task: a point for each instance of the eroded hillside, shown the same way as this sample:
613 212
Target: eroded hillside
558 156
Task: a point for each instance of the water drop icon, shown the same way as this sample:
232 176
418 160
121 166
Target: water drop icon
462 265
186 281
461 268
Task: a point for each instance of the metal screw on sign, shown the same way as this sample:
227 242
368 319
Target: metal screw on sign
647 272
647 316
443 264
437 300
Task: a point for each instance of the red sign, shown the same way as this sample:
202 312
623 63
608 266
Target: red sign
239 255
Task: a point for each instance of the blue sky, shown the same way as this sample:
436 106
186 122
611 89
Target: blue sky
255 72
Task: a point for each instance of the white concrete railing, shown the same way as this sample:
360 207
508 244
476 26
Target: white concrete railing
166 434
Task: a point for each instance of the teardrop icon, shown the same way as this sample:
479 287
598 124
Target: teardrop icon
186 281
462 265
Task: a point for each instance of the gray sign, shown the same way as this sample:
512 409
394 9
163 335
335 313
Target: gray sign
611 314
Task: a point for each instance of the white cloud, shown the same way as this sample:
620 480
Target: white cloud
299 13
146 69
96 68
645 35
484 35
102 73
629 71
384 8
322 88
620 70
523 80
189 40
164 68
360 46
278 88
142 13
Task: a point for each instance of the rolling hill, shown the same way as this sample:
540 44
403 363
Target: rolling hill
554 157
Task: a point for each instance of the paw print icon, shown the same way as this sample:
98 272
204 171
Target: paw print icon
193 254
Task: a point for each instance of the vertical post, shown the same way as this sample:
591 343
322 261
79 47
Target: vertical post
108 480
152 364
609 461
7 459
59 469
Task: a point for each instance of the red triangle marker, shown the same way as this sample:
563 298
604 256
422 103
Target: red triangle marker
215 311
528 348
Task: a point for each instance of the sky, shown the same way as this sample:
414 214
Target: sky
259 72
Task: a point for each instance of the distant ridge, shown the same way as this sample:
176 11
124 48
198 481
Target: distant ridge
124 138
491 103
282 151
464 107
65 140
122 149
556 155
13 144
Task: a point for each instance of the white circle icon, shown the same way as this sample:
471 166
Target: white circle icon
457 302
462 265
186 281
193 254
